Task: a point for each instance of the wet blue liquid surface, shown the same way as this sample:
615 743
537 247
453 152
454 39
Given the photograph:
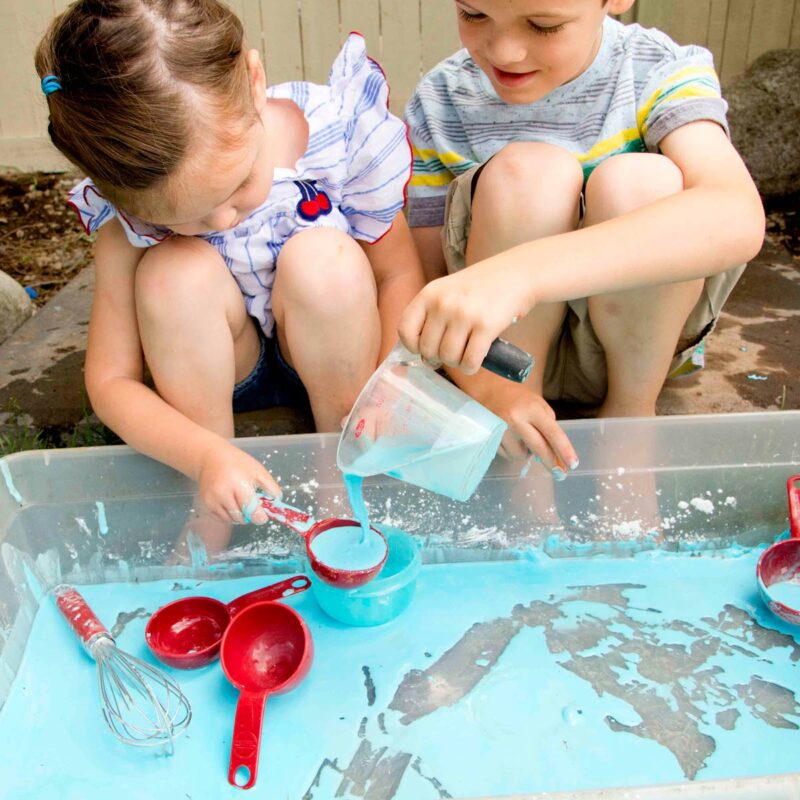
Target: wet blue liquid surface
786 592
349 548
500 678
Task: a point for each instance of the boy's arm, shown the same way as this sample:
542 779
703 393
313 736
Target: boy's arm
716 223
114 373
398 277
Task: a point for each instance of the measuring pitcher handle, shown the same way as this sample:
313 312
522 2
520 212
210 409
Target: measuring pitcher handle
508 361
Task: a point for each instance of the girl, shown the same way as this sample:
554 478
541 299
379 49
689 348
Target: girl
251 248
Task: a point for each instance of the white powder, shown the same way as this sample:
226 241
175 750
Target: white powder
701 504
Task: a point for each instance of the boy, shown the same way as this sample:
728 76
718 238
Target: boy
582 170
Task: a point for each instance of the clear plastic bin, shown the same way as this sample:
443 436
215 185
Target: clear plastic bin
100 515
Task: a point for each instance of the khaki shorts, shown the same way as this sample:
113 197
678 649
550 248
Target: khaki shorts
576 363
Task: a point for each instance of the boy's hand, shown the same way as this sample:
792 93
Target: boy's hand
454 320
532 429
228 479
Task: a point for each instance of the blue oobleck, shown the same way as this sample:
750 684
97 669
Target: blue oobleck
500 678
786 592
349 547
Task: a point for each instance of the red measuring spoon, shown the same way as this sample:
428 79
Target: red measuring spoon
267 649
780 562
309 529
187 633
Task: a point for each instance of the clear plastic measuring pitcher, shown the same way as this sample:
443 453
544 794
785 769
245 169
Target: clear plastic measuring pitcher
413 424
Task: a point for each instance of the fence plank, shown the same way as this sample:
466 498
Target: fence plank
717 21
402 50
322 39
771 27
250 15
794 39
690 22
685 21
654 14
737 36
283 50
439 32
363 16
21 99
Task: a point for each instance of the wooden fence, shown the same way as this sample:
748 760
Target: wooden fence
299 38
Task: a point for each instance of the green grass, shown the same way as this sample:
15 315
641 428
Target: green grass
17 435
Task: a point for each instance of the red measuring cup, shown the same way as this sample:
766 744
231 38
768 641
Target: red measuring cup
780 562
267 649
310 529
187 633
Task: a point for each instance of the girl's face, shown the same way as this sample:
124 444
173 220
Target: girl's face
220 187
229 173
527 48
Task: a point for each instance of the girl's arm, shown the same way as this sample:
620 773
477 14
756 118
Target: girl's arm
398 277
716 223
114 382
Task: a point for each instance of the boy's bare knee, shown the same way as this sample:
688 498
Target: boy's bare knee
534 167
325 270
179 270
628 181
530 181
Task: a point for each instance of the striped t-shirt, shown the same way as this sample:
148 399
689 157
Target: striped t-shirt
640 87
352 177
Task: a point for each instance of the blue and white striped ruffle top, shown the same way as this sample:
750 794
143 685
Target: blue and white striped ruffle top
352 177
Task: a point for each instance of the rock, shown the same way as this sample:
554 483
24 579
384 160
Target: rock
15 306
764 118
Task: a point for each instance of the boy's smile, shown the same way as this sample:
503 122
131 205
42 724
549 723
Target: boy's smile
527 48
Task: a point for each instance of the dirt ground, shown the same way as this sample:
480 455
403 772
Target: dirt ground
42 244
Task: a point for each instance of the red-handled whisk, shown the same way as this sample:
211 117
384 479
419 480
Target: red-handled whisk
141 704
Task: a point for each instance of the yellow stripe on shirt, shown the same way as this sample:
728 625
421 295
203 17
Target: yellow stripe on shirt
606 146
448 158
442 179
689 72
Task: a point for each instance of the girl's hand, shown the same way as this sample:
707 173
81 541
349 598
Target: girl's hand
533 429
228 479
454 320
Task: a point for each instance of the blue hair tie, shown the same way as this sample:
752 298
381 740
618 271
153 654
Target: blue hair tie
50 84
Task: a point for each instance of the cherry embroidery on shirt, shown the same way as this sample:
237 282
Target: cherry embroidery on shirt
313 202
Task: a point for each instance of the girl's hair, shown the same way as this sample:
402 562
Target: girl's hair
136 78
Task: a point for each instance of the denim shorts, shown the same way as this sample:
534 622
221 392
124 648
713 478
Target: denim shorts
272 382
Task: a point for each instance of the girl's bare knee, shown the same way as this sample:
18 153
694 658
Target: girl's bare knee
177 271
629 181
323 270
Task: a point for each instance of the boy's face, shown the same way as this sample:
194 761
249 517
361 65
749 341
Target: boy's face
527 48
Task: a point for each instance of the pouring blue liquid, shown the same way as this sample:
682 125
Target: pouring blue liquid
351 547
354 484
